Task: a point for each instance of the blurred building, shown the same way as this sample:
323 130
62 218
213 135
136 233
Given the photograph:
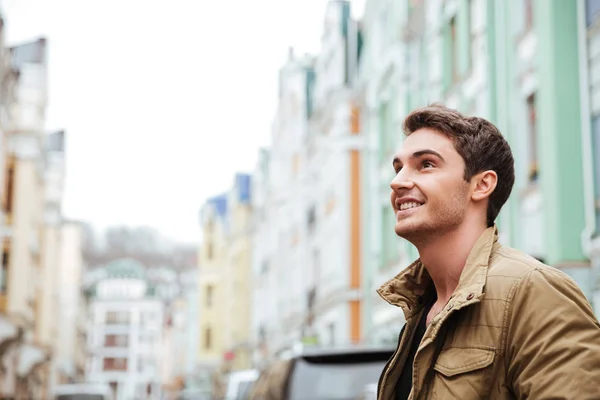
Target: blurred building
211 261
265 310
47 327
307 198
70 350
280 203
330 229
238 282
225 282
11 330
589 74
533 95
514 63
125 330
32 174
383 72
174 348
180 335
191 317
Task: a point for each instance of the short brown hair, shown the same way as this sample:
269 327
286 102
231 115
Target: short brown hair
479 143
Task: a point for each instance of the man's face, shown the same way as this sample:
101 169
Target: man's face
429 193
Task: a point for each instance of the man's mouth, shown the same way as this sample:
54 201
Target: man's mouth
408 206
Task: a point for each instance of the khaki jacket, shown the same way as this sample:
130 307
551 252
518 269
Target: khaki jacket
513 329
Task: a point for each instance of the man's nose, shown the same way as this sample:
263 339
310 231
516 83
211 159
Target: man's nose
401 182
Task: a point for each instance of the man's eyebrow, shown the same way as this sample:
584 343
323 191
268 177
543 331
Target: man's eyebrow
418 154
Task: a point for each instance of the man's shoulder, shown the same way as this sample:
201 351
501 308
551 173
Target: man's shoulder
508 266
513 263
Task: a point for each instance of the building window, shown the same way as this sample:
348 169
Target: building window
115 364
316 265
264 267
311 297
528 8
386 134
471 35
332 334
117 317
262 334
4 271
207 338
209 251
533 166
116 341
453 51
311 218
10 184
592 11
209 295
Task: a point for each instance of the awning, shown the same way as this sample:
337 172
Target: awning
29 356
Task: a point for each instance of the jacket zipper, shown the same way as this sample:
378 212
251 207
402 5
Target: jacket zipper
388 364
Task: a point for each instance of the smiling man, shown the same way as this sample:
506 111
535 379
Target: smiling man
483 321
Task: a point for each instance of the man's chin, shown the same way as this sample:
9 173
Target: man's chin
405 231
410 232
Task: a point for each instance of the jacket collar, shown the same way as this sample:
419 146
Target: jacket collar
409 289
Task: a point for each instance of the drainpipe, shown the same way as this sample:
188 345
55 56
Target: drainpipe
586 135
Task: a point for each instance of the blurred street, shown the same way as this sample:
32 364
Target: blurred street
288 254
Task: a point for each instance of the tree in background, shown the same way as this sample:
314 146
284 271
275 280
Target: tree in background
143 244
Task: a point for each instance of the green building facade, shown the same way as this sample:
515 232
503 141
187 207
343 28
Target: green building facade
514 63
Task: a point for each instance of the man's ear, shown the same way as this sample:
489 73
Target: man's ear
484 184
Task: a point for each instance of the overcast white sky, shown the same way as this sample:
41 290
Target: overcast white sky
162 101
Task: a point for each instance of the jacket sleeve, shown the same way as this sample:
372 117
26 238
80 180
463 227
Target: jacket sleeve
552 339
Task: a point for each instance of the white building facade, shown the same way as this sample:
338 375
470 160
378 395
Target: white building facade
306 194
192 329
125 329
279 205
332 182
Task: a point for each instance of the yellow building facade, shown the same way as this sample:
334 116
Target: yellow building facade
24 259
224 282
31 191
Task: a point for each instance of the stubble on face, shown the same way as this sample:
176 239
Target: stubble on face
438 217
431 171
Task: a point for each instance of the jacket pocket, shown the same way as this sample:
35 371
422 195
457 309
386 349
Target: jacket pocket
463 373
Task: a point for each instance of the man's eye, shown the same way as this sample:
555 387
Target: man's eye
427 164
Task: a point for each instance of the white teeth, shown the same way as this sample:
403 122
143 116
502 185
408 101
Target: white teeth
406 206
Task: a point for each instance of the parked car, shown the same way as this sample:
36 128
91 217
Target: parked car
369 392
320 373
239 384
82 391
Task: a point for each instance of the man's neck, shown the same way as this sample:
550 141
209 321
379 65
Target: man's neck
445 257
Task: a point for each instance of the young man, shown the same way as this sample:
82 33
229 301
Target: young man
483 321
